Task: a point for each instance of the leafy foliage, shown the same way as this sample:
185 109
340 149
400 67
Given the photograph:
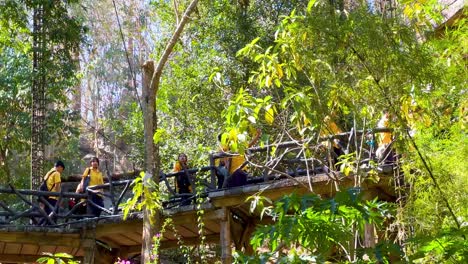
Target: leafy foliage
327 61
445 246
58 258
142 188
284 67
308 228
16 79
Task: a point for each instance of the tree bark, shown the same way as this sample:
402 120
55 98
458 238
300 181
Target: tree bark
77 88
151 81
151 220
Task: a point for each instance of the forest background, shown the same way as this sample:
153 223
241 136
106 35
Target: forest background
281 66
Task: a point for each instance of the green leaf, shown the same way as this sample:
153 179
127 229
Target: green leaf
310 5
63 255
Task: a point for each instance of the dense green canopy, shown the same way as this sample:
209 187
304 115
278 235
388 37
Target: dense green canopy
279 66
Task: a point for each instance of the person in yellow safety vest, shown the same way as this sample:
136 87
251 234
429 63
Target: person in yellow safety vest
384 139
53 182
95 178
329 127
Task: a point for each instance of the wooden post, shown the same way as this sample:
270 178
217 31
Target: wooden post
123 253
245 238
225 237
88 243
213 172
369 236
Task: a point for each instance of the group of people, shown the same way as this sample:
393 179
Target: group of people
380 145
92 176
231 171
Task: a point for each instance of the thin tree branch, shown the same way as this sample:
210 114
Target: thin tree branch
155 80
176 11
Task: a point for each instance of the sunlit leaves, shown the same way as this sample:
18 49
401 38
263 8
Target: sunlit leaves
142 187
243 116
310 5
250 48
260 203
447 246
269 114
424 12
57 258
313 226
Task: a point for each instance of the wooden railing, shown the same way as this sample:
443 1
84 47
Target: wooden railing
32 204
31 209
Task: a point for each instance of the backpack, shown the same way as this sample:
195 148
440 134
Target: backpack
43 186
86 181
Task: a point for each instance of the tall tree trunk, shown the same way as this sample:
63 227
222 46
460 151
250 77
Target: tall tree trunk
77 88
96 99
151 220
151 80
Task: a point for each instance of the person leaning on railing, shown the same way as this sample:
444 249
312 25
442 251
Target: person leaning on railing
330 128
92 176
235 164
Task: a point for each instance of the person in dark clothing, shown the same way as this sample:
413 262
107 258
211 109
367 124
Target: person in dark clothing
236 165
182 181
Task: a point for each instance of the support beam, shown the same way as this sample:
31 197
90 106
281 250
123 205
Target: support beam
88 243
370 238
225 239
17 258
116 228
245 238
191 241
41 239
124 252
192 217
322 185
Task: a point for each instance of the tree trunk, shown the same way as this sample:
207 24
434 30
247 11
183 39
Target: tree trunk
77 88
151 80
151 220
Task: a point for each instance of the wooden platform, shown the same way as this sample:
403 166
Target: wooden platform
224 210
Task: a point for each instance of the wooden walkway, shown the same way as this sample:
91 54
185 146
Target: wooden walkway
225 214
226 218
